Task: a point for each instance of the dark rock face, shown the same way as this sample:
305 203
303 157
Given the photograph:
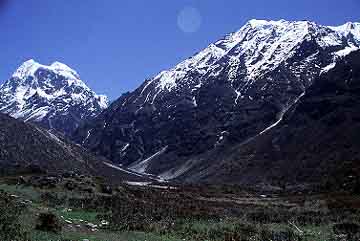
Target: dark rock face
28 149
317 143
52 96
178 124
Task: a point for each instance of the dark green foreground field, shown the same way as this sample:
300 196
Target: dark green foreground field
76 207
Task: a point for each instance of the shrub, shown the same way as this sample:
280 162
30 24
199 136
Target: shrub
48 222
10 213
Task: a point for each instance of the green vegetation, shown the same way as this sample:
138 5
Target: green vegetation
10 218
45 213
91 217
26 192
101 236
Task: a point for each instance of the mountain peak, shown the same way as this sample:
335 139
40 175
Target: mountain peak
59 64
348 29
263 22
63 67
30 61
352 25
262 45
282 22
29 67
53 95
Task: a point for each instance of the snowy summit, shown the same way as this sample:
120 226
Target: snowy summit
53 95
263 45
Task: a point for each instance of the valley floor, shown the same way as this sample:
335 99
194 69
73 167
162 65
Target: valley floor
77 207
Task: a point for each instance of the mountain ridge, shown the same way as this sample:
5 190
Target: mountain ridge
237 88
232 39
315 146
53 96
26 148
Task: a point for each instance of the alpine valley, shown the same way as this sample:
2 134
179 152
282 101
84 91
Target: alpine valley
272 105
254 138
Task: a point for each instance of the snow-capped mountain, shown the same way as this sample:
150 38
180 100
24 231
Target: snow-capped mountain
261 46
230 93
53 96
316 145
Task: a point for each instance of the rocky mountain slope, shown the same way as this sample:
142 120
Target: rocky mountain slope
317 142
227 95
27 148
53 96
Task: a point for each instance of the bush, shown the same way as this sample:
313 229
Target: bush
10 213
350 230
48 222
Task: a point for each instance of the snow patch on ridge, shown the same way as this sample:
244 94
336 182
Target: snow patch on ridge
346 51
282 114
141 166
338 55
121 169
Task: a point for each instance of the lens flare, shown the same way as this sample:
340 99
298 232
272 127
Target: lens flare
189 20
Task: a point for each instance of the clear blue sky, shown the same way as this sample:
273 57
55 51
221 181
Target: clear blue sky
116 44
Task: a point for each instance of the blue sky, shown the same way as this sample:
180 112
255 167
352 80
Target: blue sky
116 44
